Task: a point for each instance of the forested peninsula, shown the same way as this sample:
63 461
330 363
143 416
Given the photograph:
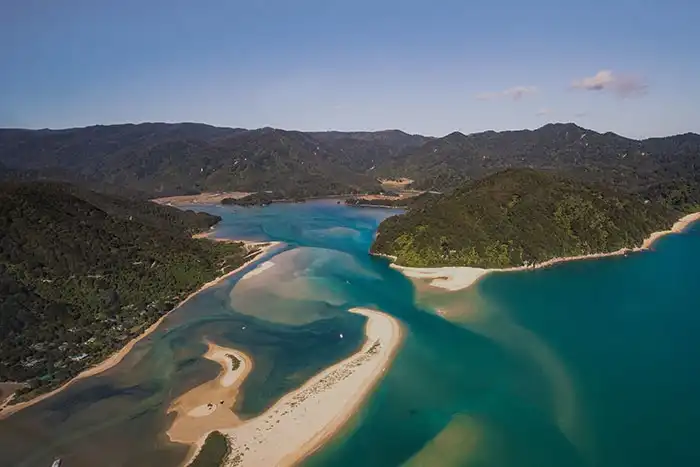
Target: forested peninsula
519 217
82 273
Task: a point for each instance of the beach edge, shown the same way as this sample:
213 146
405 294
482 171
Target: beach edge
455 278
120 354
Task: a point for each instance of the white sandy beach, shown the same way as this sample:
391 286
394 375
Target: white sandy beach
302 420
457 278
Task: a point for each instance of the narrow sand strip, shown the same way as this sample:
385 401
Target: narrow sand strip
202 198
259 270
119 355
456 278
302 420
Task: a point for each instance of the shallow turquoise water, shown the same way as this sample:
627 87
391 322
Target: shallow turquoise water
591 363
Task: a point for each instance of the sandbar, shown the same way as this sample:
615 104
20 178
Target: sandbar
448 278
208 406
118 356
302 420
211 197
259 270
454 278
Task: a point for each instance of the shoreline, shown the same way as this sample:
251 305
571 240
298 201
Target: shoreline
304 419
207 197
214 198
119 355
455 278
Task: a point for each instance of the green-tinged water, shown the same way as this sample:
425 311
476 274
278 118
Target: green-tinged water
591 363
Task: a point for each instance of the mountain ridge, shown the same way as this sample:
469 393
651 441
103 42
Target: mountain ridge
82 272
185 158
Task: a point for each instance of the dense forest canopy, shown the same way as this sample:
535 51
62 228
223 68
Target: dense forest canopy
166 159
657 165
161 159
516 217
81 273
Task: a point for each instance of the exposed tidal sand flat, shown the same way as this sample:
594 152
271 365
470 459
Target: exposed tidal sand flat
301 421
208 406
202 198
449 278
118 356
249 245
259 270
458 441
460 277
298 289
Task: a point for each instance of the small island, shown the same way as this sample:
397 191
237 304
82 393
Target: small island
519 217
377 203
264 198
392 200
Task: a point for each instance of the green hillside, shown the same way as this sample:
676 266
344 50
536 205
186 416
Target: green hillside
81 273
519 216
160 159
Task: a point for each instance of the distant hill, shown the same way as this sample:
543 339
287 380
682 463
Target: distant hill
519 216
160 159
656 164
185 158
81 273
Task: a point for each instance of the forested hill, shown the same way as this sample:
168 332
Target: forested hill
519 216
81 273
663 168
166 159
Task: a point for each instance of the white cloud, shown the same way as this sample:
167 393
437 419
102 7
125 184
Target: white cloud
543 112
515 93
622 85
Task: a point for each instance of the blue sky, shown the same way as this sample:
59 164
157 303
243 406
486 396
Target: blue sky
430 67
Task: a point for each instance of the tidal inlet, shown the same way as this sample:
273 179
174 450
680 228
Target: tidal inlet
316 353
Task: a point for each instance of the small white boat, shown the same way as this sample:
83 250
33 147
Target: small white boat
57 463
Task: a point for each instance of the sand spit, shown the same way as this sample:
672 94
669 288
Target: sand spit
449 278
457 278
301 421
208 406
118 356
202 198
304 419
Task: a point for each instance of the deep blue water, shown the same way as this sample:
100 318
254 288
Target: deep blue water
589 363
